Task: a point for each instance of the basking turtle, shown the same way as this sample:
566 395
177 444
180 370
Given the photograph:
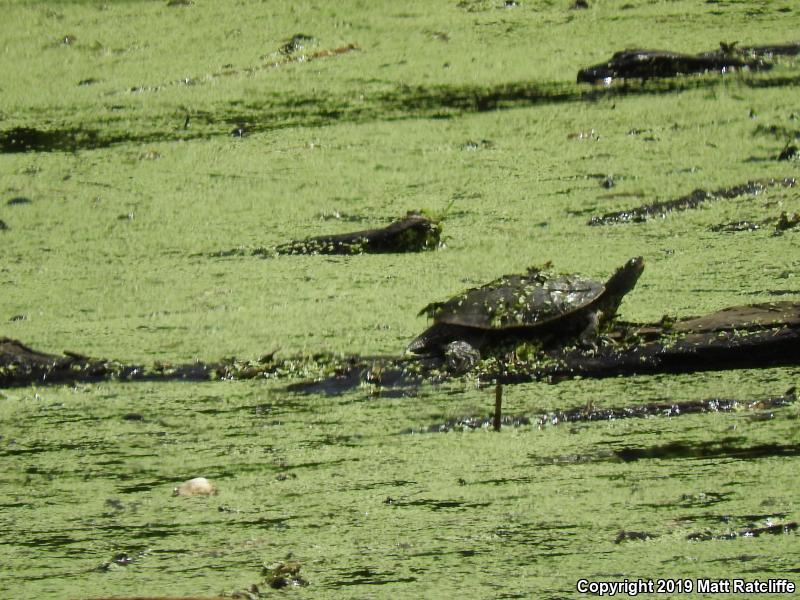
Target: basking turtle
534 305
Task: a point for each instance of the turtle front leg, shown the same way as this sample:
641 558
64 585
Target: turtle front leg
588 337
461 357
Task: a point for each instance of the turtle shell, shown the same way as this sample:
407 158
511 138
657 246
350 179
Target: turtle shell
518 301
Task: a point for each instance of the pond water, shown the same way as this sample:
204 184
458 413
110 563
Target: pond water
155 135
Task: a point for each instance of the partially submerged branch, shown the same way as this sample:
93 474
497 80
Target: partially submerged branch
751 336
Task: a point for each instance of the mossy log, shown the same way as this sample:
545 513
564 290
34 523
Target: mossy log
740 337
413 233
648 64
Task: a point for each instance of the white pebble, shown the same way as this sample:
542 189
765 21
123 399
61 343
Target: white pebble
199 486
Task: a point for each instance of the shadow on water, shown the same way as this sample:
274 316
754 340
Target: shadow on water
726 448
367 576
440 101
403 102
31 139
437 505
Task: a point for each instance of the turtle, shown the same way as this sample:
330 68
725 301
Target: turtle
534 305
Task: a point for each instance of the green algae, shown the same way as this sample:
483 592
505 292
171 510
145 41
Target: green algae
523 510
138 177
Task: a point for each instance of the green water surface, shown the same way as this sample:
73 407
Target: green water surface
140 179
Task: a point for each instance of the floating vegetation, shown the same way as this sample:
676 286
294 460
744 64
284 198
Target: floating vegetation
693 200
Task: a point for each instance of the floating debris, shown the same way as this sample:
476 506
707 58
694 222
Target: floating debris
642 213
283 574
628 536
199 486
786 222
789 152
782 223
478 144
779 529
737 226
297 42
589 413
119 560
790 49
584 135
300 58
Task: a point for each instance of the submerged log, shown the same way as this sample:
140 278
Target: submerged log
642 213
413 233
740 337
648 64
589 412
21 365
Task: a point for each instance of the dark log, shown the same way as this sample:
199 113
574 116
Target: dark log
647 64
642 213
740 337
413 233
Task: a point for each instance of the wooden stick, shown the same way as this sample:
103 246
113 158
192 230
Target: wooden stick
498 405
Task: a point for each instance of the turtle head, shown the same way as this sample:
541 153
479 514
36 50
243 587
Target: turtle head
620 283
625 278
